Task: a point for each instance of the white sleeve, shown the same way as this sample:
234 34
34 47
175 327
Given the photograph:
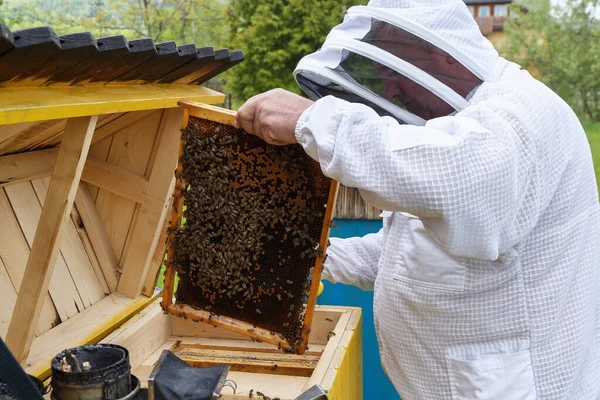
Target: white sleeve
465 183
354 261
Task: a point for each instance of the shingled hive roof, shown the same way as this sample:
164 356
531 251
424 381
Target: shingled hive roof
38 57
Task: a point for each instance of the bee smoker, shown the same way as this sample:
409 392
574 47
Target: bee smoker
93 372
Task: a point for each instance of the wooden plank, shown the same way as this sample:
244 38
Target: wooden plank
144 336
89 249
89 327
244 328
74 254
157 260
210 112
21 167
140 51
204 56
54 140
325 321
14 252
248 361
8 131
111 49
9 299
235 58
119 123
130 149
28 211
169 57
32 47
44 103
115 179
107 258
75 48
220 58
45 135
45 249
18 168
318 268
329 351
6 39
154 207
24 138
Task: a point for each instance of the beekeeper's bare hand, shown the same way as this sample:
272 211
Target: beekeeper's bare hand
272 116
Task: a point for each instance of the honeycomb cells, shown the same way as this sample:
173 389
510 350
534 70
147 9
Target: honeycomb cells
253 219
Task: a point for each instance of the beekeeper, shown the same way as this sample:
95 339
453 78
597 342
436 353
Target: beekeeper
487 270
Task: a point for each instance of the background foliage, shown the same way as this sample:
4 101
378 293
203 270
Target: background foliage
560 45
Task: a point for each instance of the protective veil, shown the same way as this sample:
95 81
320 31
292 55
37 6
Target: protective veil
487 269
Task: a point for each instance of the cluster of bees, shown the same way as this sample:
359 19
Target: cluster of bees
253 220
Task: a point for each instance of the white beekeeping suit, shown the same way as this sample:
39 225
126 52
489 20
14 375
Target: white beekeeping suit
487 270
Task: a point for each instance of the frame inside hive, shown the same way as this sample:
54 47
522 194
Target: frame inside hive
230 289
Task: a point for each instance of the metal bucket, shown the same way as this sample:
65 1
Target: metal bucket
108 379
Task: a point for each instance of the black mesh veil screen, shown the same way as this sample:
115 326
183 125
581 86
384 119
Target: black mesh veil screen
252 224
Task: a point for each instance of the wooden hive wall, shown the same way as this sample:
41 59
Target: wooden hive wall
120 160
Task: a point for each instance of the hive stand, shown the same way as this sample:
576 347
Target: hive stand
89 136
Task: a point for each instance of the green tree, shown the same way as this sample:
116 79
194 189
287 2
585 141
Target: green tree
560 45
187 21
275 35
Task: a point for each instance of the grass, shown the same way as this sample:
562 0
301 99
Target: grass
592 129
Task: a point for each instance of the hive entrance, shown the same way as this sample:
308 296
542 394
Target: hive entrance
256 221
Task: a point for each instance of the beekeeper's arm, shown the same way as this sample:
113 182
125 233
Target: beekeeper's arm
465 183
354 261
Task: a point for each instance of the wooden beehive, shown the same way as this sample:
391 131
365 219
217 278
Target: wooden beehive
103 112
89 138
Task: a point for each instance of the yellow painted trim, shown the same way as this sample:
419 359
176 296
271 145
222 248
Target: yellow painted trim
111 324
27 104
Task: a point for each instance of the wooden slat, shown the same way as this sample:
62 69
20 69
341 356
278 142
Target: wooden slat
153 211
19 104
32 47
143 334
130 149
74 254
89 248
235 58
244 328
207 111
318 268
204 57
28 211
89 327
111 49
107 258
21 167
9 299
169 57
45 135
14 252
6 39
140 51
8 131
118 180
329 351
221 57
24 138
249 361
157 260
53 141
350 205
44 251
75 48
24 167
119 123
